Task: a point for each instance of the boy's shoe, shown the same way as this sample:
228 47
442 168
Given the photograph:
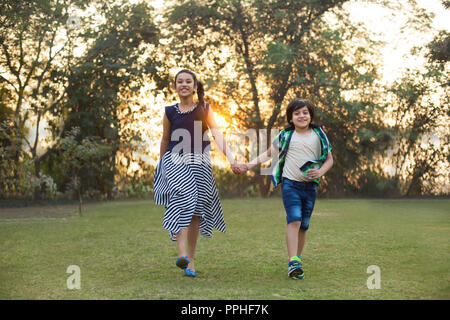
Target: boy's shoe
295 270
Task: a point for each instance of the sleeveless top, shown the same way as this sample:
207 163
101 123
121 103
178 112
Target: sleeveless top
186 132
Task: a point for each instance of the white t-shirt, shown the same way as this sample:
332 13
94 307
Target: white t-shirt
302 148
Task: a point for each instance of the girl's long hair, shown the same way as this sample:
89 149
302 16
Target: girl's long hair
200 110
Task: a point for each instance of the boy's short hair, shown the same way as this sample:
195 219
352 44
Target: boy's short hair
298 104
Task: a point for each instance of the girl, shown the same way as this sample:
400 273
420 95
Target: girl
304 157
184 181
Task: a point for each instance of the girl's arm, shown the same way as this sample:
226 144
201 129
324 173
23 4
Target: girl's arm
317 173
165 136
221 141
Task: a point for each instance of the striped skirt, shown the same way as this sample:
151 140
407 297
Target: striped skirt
185 185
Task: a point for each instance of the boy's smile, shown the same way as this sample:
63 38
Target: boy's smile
301 118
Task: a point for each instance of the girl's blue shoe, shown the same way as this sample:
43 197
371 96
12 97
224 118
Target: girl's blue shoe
182 262
190 273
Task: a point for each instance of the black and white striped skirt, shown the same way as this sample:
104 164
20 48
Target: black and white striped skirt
185 185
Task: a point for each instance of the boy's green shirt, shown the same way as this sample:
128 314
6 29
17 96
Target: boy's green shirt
282 141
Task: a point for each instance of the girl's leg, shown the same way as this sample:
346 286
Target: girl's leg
301 241
181 242
192 236
292 238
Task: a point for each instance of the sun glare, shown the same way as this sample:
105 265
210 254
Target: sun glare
221 122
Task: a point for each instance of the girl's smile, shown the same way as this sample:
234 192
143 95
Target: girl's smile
185 85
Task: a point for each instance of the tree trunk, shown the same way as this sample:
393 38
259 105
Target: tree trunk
80 202
37 172
264 186
415 186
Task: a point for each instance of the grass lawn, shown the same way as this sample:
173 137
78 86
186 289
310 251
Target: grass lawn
124 253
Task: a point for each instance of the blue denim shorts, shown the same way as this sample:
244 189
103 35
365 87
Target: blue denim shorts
298 200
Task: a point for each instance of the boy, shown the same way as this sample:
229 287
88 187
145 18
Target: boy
304 157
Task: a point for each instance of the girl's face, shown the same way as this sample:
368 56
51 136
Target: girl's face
185 85
301 118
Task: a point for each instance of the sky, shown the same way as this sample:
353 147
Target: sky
399 42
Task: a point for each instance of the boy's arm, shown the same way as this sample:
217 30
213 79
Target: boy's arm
263 157
317 173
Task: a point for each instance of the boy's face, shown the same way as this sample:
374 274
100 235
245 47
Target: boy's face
301 118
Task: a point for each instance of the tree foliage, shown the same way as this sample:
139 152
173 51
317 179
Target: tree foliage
47 80
34 56
421 110
76 67
102 79
282 50
76 154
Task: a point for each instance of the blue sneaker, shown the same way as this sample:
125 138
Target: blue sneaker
295 270
190 273
182 262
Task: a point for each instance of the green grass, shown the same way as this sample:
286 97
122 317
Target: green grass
124 253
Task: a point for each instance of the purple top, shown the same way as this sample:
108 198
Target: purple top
186 131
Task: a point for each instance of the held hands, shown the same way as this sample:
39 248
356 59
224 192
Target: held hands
238 167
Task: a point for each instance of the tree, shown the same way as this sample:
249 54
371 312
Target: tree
32 65
420 106
13 173
279 50
439 48
50 83
77 154
101 82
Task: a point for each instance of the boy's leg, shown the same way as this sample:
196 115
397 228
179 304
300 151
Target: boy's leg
295 270
293 206
292 238
308 201
301 241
